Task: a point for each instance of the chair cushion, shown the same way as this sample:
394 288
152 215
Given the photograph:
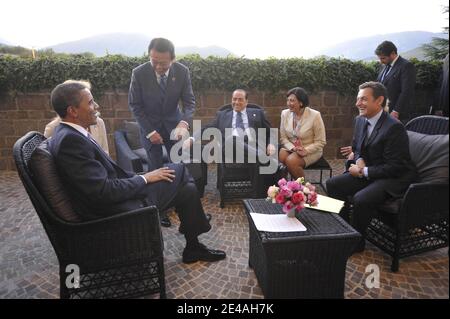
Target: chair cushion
430 155
46 178
132 135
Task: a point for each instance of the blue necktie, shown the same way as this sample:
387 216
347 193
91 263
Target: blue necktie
163 83
366 132
239 121
240 124
386 71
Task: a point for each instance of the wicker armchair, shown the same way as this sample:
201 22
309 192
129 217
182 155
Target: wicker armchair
418 222
118 256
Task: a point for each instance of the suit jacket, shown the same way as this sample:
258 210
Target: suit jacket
152 109
97 185
98 132
385 152
312 131
400 83
224 119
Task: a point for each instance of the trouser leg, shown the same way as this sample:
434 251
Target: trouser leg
365 203
154 155
343 187
188 206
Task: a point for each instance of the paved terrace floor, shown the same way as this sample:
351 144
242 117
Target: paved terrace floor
29 269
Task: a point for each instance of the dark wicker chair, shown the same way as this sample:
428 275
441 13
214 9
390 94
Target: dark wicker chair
238 180
120 256
419 221
135 160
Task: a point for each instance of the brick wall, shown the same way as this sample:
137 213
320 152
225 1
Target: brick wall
20 113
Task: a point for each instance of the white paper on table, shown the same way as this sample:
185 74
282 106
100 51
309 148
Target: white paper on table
328 204
276 223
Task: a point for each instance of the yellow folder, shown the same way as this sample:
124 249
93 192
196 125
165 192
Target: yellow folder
328 204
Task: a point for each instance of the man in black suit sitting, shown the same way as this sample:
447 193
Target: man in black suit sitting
97 184
381 167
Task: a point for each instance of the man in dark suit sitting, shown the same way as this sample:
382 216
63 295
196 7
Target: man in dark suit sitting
382 166
399 78
239 126
97 184
245 137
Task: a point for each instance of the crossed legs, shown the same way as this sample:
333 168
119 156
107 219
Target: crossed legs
294 163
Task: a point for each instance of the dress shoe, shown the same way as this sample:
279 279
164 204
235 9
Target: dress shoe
202 253
165 221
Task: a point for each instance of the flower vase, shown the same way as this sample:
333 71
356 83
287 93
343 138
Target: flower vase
291 213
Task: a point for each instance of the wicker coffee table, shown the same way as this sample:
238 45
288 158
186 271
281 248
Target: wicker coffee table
309 264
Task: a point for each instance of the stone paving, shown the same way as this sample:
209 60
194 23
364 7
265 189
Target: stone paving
29 267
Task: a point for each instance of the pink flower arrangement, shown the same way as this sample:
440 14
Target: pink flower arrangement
293 195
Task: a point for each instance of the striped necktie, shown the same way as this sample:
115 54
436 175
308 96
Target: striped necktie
366 132
163 83
385 72
239 121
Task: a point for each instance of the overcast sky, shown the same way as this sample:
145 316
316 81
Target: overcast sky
254 28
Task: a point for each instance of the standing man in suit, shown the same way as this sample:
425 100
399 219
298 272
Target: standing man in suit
98 185
399 77
382 166
156 89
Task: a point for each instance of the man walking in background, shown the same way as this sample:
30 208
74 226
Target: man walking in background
399 78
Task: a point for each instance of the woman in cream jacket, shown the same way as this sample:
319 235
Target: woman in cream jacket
302 133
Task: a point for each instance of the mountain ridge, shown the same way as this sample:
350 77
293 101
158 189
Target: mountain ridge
130 44
363 48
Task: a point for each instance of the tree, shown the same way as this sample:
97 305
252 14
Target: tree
438 48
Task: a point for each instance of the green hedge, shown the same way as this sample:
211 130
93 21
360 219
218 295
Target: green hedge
273 75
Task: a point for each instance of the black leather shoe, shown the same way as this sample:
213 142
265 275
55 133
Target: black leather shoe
165 221
202 253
